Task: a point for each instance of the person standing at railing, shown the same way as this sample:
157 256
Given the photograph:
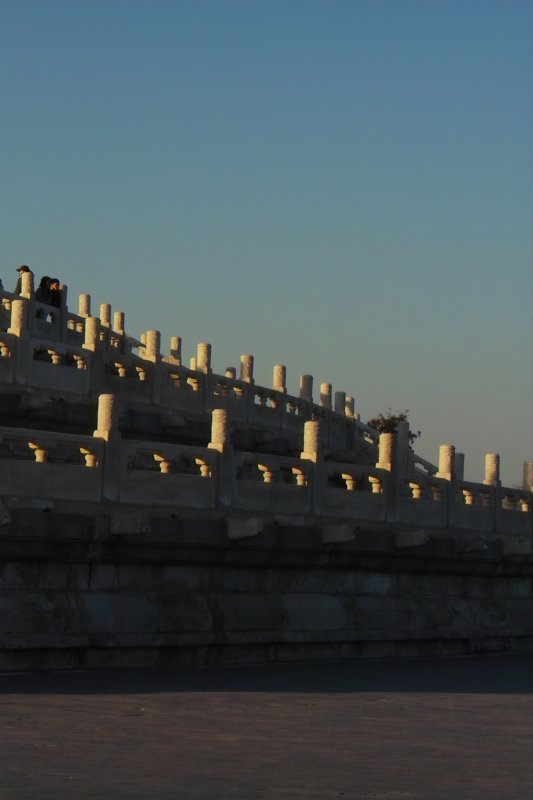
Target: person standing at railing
23 268
55 292
42 293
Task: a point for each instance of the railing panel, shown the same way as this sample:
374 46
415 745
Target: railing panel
350 491
266 410
40 464
182 389
127 374
59 366
229 393
471 505
174 475
514 512
423 501
271 484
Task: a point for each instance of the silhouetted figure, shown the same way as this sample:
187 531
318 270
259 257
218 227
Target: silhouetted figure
55 292
42 293
23 268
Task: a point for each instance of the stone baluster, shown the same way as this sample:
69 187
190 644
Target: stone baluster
312 441
299 476
192 363
247 368
349 408
446 462
279 378
349 481
306 388
203 357
38 451
91 460
164 463
375 483
84 305
340 402
492 470
325 395
175 349
266 472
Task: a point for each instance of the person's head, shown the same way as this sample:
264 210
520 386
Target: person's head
54 284
45 282
23 268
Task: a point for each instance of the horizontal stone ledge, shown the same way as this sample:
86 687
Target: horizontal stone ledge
223 654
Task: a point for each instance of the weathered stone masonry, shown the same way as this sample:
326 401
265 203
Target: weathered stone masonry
158 513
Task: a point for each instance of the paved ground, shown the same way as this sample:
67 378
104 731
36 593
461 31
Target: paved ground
456 729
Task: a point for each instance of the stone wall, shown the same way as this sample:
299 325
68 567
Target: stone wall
75 595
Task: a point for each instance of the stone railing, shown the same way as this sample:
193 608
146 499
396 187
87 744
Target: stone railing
336 468
51 467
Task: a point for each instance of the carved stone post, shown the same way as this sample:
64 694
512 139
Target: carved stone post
23 350
312 442
386 457
247 368
118 322
349 406
492 469
528 476
306 387
459 466
403 442
220 430
152 352
92 333
325 395
279 378
19 316
220 441
105 314
203 357
175 349
152 345
26 285
84 305
446 462
340 402
107 429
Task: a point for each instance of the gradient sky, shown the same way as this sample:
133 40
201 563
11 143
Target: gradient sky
342 187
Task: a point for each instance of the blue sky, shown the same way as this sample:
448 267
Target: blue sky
343 187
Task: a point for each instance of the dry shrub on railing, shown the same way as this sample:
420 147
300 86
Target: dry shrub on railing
389 423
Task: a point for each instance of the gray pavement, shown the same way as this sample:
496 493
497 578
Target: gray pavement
454 728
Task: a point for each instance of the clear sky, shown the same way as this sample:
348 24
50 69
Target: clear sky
342 187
